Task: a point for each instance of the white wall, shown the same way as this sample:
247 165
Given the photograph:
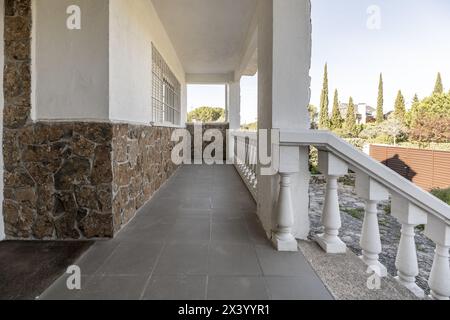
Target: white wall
2 101
134 25
71 66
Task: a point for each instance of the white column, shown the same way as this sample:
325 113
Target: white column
233 100
372 192
332 168
282 237
439 282
284 57
406 263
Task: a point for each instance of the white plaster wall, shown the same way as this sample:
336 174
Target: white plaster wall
2 61
71 66
134 25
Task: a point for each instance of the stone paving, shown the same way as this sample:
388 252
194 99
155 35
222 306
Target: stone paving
352 209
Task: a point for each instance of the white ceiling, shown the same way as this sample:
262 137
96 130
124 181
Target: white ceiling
209 35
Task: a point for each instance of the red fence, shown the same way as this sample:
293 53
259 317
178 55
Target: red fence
428 169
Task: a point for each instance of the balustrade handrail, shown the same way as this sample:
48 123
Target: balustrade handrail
327 141
244 134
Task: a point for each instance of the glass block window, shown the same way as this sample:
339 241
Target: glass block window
166 91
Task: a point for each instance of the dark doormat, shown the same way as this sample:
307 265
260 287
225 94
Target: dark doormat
28 268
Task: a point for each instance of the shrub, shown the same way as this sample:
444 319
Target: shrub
443 194
314 160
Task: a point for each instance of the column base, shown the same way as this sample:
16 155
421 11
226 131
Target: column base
411 286
377 267
290 245
335 247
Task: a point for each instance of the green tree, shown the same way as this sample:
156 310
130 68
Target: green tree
313 114
324 120
207 114
350 125
380 103
336 117
435 106
438 87
400 107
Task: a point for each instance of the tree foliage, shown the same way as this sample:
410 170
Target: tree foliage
324 120
380 101
429 119
313 114
400 107
350 125
438 87
207 114
336 121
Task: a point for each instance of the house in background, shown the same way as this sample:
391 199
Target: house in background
90 109
364 113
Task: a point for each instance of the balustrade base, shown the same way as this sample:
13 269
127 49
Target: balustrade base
377 267
332 247
414 288
284 245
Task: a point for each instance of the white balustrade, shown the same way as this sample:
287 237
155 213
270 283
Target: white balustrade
282 236
410 205
372 192
246 153
332 168
410 216
439 280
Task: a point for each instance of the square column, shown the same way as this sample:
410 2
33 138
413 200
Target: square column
284 55
233 113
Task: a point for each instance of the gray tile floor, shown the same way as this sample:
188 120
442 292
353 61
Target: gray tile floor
197 239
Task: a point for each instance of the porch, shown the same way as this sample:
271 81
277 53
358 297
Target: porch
81 160
195 241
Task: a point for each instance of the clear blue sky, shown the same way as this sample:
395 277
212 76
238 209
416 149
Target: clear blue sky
411 46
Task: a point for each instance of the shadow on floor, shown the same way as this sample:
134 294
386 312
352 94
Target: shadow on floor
28 268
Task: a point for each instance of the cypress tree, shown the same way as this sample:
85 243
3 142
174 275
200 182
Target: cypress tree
415 100
400 107
350 121
438 87
336 118
324 121
380 103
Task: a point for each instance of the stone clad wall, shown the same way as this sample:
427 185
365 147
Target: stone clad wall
222 127
70 180
58 180
141 164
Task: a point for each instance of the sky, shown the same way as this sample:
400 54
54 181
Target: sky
407 40
410 47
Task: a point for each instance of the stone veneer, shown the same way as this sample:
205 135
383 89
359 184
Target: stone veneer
141 164
70 180
222 127
81 180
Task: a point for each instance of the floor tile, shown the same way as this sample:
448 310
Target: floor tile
307 287
183 259
274 263
233 259
230 232
236 288
176 288
114 288
132 258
